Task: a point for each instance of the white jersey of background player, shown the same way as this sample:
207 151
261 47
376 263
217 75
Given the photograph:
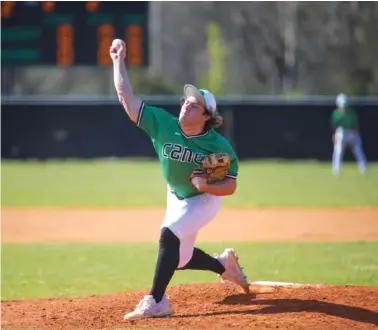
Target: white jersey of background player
346 133
181 143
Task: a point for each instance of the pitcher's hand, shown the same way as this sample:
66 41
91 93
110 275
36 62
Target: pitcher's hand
118 50
199 182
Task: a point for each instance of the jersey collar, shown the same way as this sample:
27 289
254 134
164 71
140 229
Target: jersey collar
193 136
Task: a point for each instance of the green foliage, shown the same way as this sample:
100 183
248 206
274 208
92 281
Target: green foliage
215 78
296 92
359 82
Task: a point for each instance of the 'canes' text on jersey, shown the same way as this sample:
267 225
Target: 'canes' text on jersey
180 154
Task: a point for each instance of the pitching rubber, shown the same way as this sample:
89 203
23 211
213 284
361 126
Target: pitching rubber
270 286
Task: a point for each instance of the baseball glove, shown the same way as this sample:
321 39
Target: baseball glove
213 167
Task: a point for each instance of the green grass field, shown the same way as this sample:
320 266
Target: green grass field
125 183
73 270
77 270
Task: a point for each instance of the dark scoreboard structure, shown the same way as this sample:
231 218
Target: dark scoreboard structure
68 33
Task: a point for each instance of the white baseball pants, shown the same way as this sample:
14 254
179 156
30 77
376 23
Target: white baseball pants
344 138
186 217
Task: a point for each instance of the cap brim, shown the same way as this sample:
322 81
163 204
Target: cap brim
190 90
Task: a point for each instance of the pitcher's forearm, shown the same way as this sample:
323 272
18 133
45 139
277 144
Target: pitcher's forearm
222 188
124 90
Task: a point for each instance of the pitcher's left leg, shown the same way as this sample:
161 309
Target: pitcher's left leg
183 220
156 304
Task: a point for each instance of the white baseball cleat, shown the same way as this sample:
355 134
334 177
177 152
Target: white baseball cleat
148 307
233 272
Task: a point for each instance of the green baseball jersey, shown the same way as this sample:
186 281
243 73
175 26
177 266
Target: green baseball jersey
346 120
180 154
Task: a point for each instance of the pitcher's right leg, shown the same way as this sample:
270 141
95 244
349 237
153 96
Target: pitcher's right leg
225 265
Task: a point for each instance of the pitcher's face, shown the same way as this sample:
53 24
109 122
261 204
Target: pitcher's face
193 112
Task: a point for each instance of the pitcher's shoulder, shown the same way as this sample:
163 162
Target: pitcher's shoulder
223 143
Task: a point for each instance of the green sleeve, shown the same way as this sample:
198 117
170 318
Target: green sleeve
234 167
334 122
152 120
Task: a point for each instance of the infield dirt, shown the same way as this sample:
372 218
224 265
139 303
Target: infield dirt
199 306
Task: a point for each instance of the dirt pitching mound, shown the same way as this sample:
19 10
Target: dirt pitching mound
208 306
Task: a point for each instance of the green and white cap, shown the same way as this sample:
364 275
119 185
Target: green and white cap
202 95
342 100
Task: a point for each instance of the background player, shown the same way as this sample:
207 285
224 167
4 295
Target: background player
181 144
346 133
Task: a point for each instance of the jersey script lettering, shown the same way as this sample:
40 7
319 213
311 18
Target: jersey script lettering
182 154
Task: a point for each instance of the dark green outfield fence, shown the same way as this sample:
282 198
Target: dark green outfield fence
259 127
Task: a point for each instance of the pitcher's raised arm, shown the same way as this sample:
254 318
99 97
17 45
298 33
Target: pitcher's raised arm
130 102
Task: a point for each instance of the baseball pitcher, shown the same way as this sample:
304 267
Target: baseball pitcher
199 166
345 125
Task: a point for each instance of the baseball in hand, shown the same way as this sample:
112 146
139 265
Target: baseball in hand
118 49
117 43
